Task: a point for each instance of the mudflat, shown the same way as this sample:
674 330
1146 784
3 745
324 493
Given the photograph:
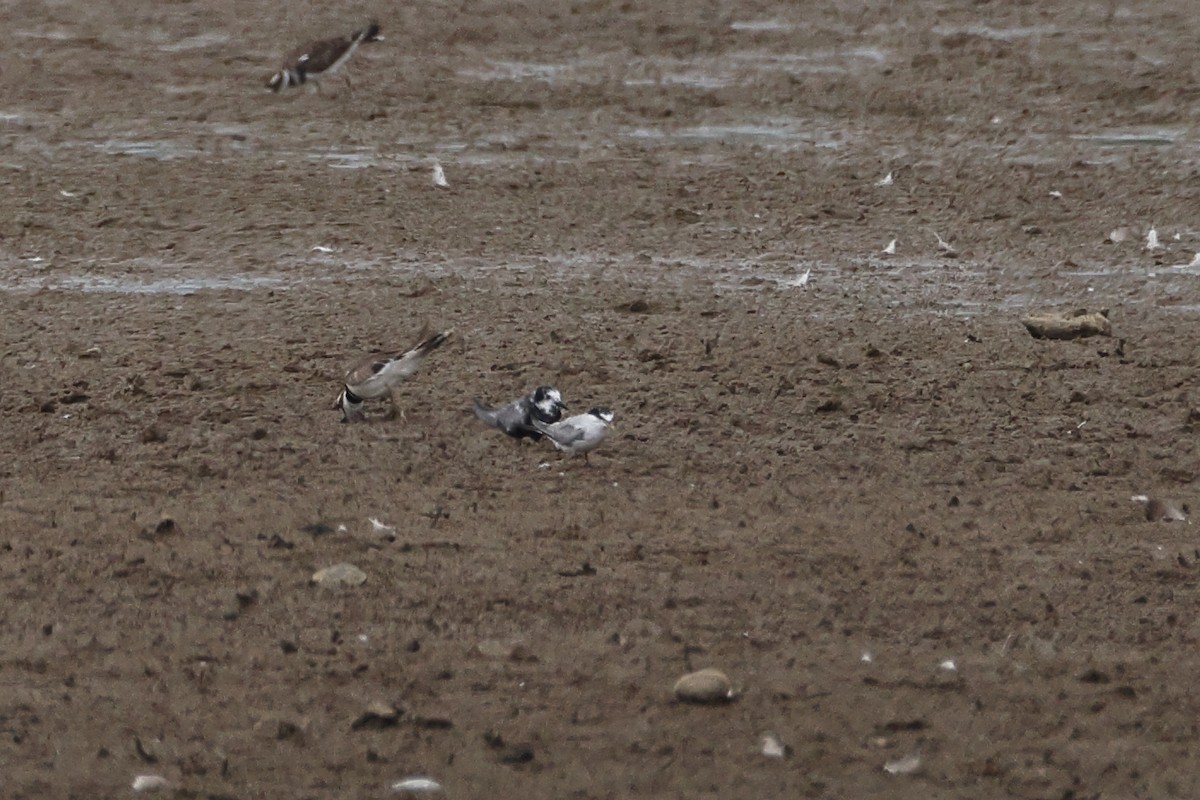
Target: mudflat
849 479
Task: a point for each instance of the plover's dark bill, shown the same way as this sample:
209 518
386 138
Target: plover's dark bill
544 404
581 433
320 58
381 374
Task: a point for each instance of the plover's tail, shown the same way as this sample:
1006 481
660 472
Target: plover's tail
427 346
367 34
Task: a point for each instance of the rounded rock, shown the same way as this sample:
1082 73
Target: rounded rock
339 575
706 686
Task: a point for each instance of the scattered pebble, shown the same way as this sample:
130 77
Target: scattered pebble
507 753
1074 325
890 250
499 649
439 176
944 246
948 666
1118 235
706 686
149 783
867 658
339 575
886 180
380 527
1152 240
417 784
903 766
800 281
772 747
1161 510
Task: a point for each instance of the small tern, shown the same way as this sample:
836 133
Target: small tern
581 433
544 404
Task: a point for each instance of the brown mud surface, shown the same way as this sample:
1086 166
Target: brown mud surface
826 490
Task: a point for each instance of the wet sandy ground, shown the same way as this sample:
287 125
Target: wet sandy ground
827 489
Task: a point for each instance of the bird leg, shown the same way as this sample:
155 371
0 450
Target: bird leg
395 412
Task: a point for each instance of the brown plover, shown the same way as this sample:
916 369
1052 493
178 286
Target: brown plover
318 59
382 374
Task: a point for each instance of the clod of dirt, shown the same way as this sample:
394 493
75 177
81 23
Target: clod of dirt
278 542
1074 325
153 435
286 729
706 686
639 306
164 527
511 651
339 575
508 753
377 717
144 753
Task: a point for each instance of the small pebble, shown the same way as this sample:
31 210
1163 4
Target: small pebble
903 766
417 784
773 748
339 575
706 686
149 783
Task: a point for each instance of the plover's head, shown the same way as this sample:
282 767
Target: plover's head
350 404
548 402
285 78
603 414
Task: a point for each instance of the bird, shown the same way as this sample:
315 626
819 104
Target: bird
380 374
516 419
581 433
321 58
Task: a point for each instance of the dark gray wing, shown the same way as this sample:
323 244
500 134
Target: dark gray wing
513 418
